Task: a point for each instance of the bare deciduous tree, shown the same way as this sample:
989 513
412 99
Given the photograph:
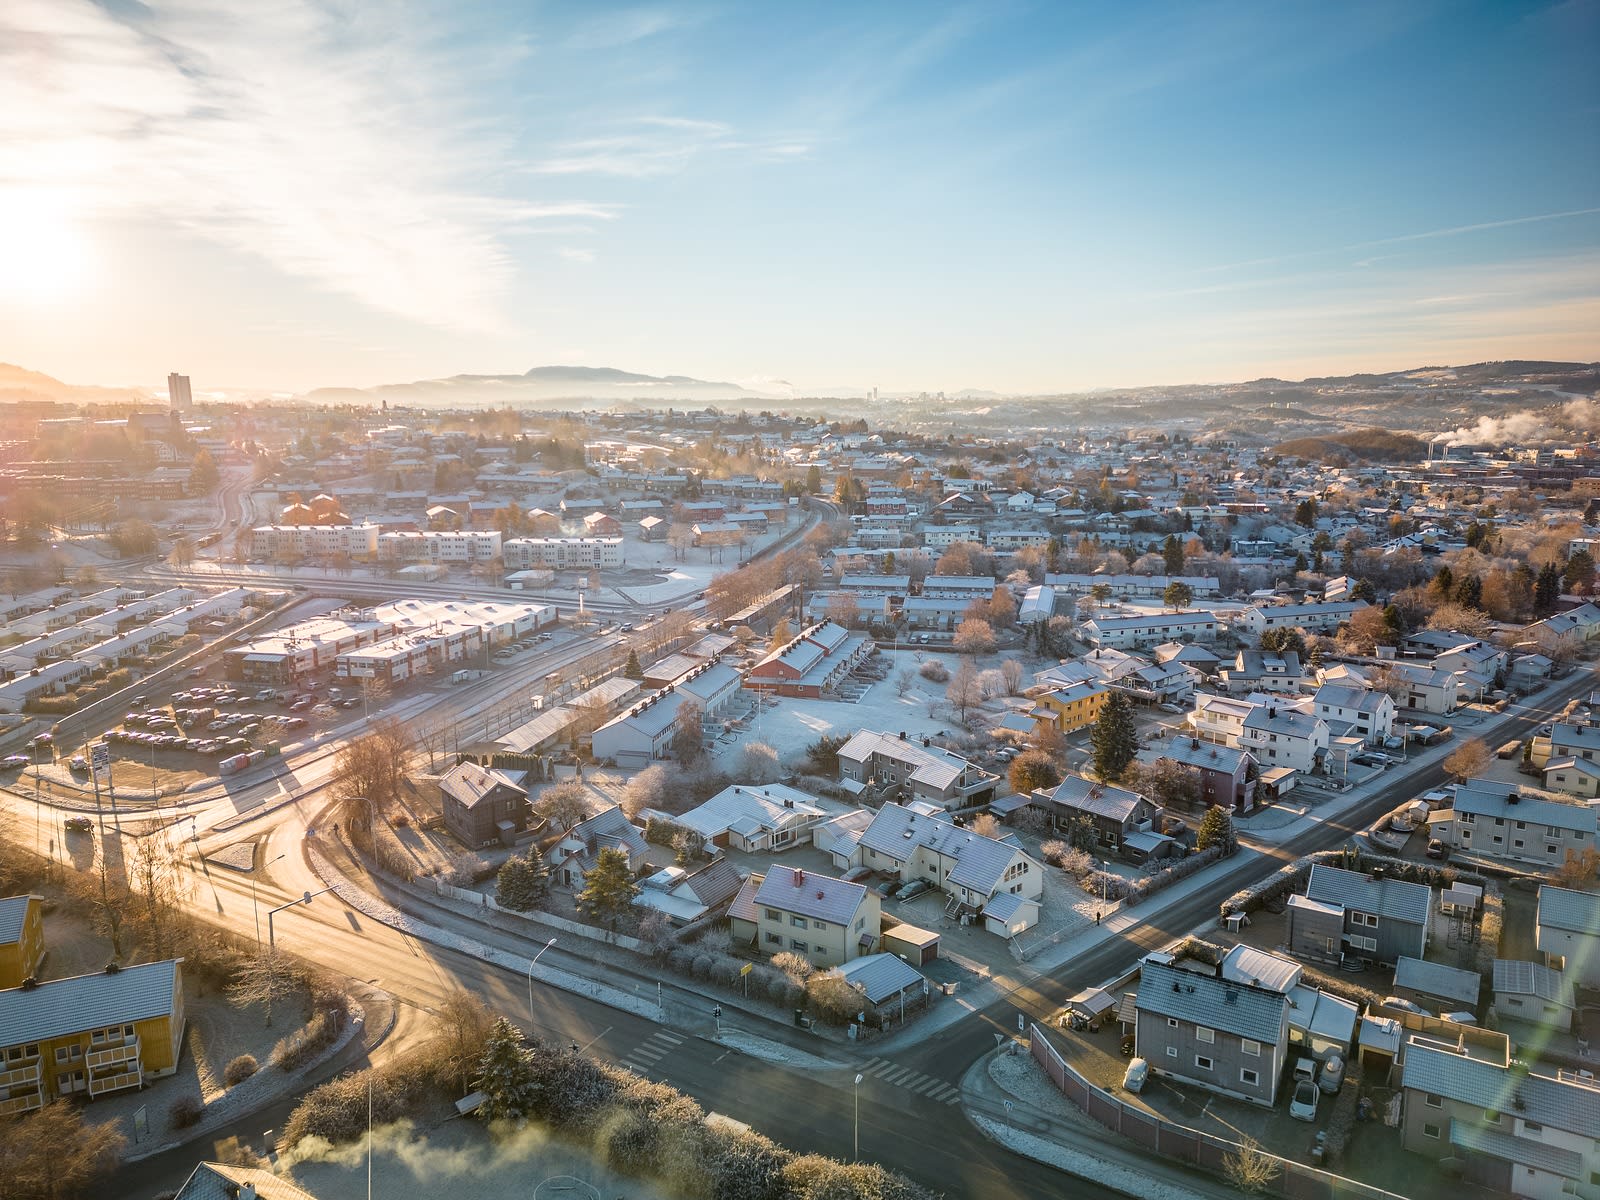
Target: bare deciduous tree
160 884
563 804
1250 1168
265 979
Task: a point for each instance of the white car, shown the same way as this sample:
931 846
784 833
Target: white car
1303 1107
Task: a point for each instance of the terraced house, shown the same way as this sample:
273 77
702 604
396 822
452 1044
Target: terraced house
89 1035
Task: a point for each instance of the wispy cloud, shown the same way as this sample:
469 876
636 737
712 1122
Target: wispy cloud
643 147
337 142
576 254
623 28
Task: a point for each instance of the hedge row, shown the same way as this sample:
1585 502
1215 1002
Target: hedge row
1148 885
1292 878
649 1129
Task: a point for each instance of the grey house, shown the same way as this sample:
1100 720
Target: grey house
1366 916
1435 986
482 807
1225 1035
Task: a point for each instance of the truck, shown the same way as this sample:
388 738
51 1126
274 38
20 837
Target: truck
233 765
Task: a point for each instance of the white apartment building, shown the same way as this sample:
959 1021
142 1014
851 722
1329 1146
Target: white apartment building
440 546
562 554
314 541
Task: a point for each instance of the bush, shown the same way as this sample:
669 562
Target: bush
702 965
184 1112
681 960
934 671
1149 885
833 999
239 1070
466 870
337 1111
1104 883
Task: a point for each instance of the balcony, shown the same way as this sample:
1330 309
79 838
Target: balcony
19 1076
98 1086
27 1102
128 1051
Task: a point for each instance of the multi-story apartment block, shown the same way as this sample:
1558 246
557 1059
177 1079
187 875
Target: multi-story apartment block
1497 820
1323 617
827 920
278 542
1150 629
440 546
562 554
90 1034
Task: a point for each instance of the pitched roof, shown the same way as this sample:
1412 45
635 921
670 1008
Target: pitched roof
220 1181
64 1006
1246 964
1099 799
807 894
1437 979
1236 1008
931 765
13 911
1525 1152
1489 798
1385 897
715 882
881 976
1520 978
1209 756
467 783
1438 1068
1563 908
981 861
771 805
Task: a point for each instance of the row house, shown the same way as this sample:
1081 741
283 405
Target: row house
813 664
1320 617
1150 629
1500 821
562 554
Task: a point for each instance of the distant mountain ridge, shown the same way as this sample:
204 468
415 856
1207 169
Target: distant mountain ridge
542 385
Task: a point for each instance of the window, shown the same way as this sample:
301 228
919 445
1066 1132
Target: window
1430 1131
1250 1077
1172 1022
1202 1062
1172 1052
798 946
860 922
1370 945
1532 1127
798 922
774 915
1204 1035
1250 1048
774 939
1517 844
1433 1101
1492 1117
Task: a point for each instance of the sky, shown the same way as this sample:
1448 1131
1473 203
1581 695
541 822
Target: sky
912 196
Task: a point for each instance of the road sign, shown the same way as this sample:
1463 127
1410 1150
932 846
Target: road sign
100 760
746 969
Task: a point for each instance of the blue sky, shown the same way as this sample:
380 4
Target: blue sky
1012 196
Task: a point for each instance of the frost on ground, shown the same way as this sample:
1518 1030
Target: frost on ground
1118 1178
241 856
1021 1077
773 1052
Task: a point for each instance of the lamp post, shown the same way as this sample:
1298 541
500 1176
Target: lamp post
857 1090
254 905
531 961
305 898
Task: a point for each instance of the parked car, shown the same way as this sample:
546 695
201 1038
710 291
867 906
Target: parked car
1136 1076
1437 849
78 824
913 889
1405 1006
1170 707
12 761
1332 1074
79 763
1303 1107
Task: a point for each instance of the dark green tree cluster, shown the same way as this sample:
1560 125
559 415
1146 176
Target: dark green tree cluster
1114 737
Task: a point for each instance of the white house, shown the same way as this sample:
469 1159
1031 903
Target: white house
1285 737
1356 710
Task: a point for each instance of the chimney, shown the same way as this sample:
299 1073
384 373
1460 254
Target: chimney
1194 743
799 877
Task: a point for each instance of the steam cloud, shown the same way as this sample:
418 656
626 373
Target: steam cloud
1581 415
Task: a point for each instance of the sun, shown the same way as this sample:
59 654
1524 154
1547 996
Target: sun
44 258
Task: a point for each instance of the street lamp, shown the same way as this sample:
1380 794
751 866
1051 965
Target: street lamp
305 898
857 1090
531 961
253 904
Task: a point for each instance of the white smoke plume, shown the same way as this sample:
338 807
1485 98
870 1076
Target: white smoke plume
1579 415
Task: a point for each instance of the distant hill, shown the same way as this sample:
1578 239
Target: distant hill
543 385
19 384
1368 445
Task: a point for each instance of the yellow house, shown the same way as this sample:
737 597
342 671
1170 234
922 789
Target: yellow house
90 1034
827 921
1072 707
21 938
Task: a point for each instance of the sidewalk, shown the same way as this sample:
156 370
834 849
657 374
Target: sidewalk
1023 1111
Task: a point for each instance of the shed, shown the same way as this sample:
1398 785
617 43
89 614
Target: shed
1435 986
917 946
1088 1008
1380 1044
1315 929
1530 991
1009 914
1147 846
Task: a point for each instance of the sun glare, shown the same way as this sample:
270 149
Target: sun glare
43 257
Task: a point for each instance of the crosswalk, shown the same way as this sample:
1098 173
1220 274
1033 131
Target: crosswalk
643 1057
903 1077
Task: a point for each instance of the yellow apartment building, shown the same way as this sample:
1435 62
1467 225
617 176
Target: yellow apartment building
21 938
1075 706
90 1034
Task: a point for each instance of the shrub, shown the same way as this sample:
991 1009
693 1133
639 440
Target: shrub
1104 883
239 1070
337 1111
681 960
934 671
777 986
725 972
1149 885
795 966
702 965
833 999
184 1112
466 870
